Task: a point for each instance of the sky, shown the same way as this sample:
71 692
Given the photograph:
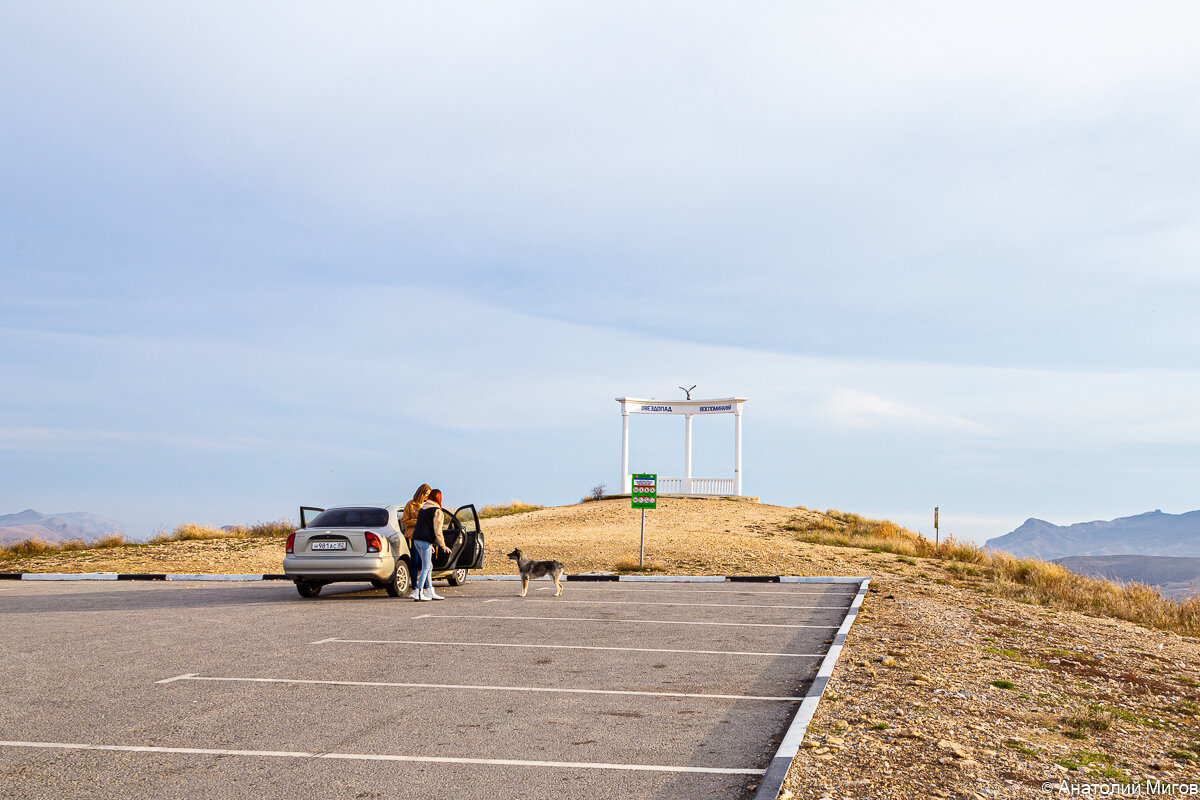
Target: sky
261 255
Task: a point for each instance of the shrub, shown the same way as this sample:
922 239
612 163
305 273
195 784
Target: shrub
515 507
191 531
29 547
1080 724
36 547
1023 579
279 529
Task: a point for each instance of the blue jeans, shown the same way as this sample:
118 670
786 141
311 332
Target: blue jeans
415 555
425 576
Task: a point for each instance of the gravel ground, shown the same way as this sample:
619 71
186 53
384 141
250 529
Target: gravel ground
943 690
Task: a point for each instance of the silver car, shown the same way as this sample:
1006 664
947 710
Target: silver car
366 543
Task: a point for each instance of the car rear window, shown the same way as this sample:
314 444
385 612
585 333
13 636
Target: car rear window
351 518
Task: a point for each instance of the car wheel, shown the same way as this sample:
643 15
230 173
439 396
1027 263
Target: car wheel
400 582
457 578
308 589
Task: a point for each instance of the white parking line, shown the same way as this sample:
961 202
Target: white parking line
663 603
646 621
625 588
484 688
504 762
565 647
182 677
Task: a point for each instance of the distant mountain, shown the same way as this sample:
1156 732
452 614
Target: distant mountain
1174 576
30 524
1151 534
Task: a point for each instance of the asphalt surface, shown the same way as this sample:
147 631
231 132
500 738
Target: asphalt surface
613 690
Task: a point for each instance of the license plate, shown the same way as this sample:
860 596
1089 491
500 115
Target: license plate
328 546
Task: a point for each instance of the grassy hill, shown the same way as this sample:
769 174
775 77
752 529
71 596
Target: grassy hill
967 670
1174 576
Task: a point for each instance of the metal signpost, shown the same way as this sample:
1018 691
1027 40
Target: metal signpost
644 494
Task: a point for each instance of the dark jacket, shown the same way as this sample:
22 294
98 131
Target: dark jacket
429 524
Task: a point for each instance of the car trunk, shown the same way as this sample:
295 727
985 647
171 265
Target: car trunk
331 543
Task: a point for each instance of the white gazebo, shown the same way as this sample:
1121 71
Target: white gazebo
727 487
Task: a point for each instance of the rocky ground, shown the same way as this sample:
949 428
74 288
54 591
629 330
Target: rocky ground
943 690
947 692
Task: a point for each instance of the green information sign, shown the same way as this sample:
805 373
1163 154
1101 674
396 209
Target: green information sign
645 491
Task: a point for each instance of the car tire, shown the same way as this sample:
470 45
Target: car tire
401 581
457 578
308 589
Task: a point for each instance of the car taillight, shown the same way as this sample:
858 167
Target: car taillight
372 543
291 543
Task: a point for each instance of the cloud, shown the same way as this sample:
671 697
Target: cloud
935 242
925 184
854 409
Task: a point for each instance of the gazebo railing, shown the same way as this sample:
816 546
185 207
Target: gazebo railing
717 487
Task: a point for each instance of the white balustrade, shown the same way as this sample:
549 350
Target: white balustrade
718 487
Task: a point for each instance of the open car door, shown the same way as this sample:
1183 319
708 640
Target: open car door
452 534
460 530
312 515
472 552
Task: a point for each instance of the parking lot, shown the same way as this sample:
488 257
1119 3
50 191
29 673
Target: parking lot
240 690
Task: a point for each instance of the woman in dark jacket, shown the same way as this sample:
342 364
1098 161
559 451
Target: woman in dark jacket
408 521
427 535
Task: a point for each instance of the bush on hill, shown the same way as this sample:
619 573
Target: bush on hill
515 507
1025 579
188 531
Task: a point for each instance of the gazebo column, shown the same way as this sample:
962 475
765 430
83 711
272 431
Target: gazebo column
624 450
737 449
687 452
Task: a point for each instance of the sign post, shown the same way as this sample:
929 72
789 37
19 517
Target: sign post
936 536
643 494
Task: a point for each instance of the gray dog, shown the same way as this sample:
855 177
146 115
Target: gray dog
531 569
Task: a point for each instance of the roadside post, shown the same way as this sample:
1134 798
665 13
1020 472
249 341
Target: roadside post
937 542
644 494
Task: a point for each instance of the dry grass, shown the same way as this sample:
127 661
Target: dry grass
515 507
1025 579
190 532
28 547
32 548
